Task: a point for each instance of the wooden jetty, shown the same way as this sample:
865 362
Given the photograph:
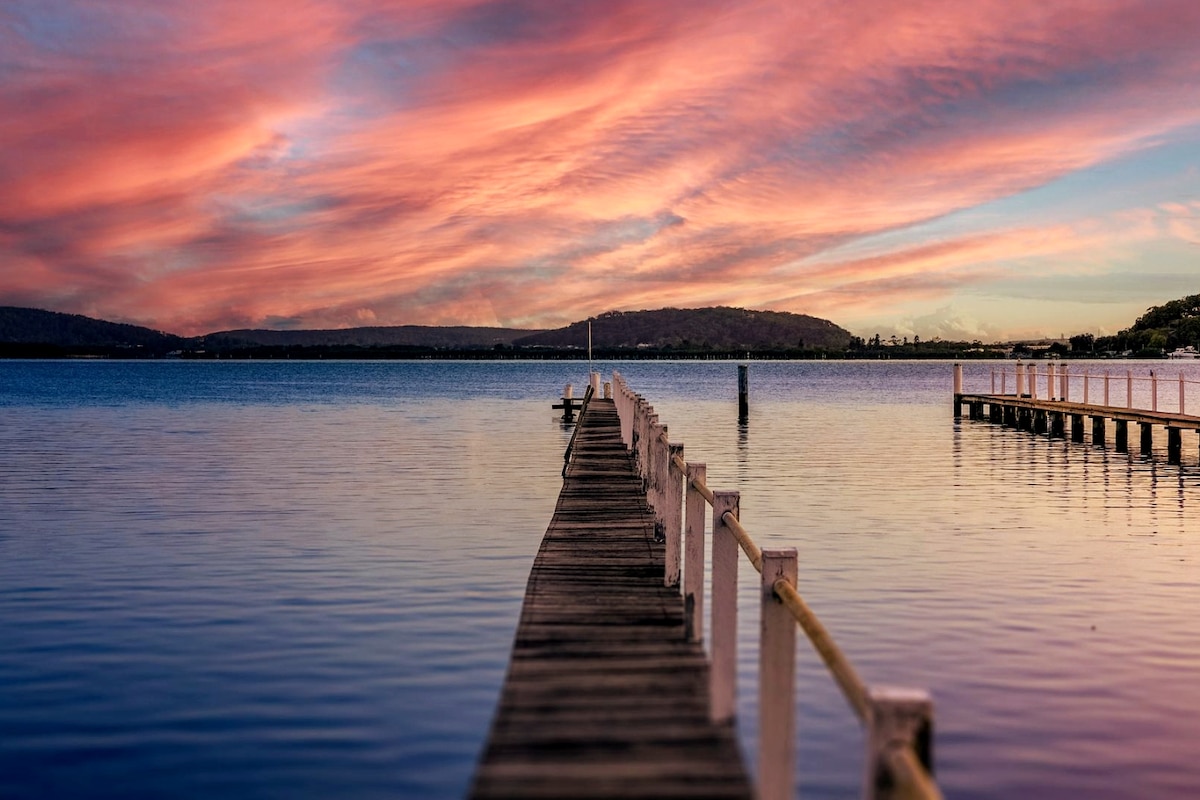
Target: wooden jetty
605 696
1058 415
610 691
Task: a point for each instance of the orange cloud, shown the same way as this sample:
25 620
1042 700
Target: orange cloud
201 166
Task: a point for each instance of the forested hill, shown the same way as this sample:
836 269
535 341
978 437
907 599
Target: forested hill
25 327
1162 328
719 328
375 336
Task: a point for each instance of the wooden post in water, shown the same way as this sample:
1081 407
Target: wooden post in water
777 680
1147 438
723 670
899 718
568 403
958 390
1174 445
1098 431
743 391
1121 437
693 553
1077 427
673 516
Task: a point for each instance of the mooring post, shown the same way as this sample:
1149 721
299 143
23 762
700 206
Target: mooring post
777 680
608 393
743 391
693 553
958 390
723 670
900 719
673 516
595 379
568 403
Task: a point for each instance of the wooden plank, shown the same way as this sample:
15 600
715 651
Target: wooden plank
604 696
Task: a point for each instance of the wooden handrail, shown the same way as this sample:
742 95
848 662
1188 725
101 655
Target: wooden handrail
854 690
895 753
587 396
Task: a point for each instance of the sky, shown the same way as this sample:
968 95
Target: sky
989 170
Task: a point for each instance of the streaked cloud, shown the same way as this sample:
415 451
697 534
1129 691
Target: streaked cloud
202 166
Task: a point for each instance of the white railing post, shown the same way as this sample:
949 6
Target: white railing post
958 379
900 719
1003 381
1129 388
1087 375
777 681
1033 381
1064 383
993 380
1153 391
608 392
1106 376
1181 399
723 670
1050 380
673 516
1020 379
693 553
595 379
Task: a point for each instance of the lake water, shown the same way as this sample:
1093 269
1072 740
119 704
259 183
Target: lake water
301 579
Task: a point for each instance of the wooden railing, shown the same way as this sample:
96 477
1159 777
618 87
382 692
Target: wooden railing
898 722
1123 389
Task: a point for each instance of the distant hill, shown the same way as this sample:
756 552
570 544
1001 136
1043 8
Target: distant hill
1162 328
379 336
33 332
72 333
719 328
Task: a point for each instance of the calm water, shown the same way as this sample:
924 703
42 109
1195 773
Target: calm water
295 579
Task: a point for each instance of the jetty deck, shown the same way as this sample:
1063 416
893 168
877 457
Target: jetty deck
605 697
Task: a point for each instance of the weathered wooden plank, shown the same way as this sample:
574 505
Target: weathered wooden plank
605 697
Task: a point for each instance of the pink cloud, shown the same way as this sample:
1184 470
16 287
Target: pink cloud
199 166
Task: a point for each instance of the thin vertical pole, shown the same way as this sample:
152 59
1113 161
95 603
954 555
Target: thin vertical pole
1106 376
1153 391
777 681
723 671
1050 381
1086 379
743 391
1181 410
695 509
1020 379
1129 388
1033 381
993 380
1064 383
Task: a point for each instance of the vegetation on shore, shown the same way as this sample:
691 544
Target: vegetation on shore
703 333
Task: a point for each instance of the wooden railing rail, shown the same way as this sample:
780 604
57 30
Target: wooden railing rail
899 722
1058 381
587 397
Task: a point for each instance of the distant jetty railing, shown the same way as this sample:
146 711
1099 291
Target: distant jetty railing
898 722
1043 401
1153 391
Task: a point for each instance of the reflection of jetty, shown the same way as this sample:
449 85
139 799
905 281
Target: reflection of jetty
1058 401
610 692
